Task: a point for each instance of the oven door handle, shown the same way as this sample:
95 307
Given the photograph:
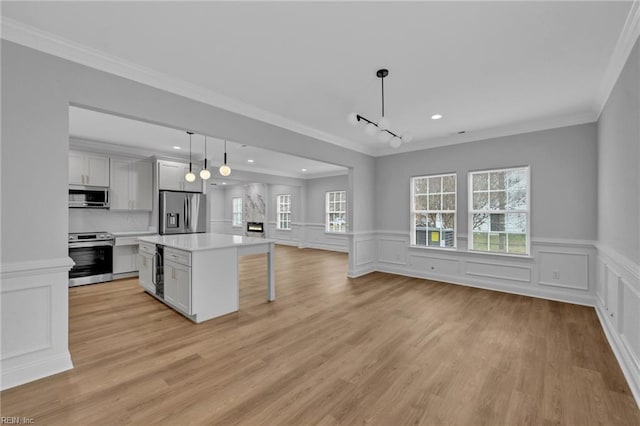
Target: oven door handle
91 244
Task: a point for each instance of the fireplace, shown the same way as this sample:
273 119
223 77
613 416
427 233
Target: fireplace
255 227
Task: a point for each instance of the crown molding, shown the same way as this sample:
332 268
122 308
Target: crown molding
546 123
626 41
29 36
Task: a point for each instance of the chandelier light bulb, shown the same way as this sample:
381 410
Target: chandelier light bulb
395 142
384 136
190 177
384 124
205 174
371 129
225 170
407 137
353 118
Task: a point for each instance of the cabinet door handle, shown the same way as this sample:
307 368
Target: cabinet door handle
87 179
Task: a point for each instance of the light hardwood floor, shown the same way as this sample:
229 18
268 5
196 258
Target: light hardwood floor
381 349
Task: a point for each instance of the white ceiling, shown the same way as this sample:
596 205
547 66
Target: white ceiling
119 134
486 66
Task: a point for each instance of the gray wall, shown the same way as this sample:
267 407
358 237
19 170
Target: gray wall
316 190
563 174
619 164
37 90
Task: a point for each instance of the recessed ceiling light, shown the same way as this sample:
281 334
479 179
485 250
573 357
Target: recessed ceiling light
304 170
436 116
250 160
176 147
224 183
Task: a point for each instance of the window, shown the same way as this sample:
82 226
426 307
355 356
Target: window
283 211
236 212
433 211
499 213
336 209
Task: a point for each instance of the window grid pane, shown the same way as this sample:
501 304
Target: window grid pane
434 211
336 211
236 212
284 211
499 212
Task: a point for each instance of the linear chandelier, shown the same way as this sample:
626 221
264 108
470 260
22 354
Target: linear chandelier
381 128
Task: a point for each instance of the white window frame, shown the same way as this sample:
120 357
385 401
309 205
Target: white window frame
526 211
283 210
236 216
328 212
413 210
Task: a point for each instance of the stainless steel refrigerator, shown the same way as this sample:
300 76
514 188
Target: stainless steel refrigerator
182 212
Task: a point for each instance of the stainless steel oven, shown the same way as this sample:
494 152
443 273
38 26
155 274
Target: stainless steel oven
92 253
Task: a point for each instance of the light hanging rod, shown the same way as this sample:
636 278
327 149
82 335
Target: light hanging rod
382 74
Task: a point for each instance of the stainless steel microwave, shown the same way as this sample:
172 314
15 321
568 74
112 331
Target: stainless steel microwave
88 197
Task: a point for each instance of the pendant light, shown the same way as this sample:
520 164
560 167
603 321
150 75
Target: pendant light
381 128
190 177
205 173
224 169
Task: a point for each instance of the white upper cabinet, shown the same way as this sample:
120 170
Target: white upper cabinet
87 168
131 184
171 177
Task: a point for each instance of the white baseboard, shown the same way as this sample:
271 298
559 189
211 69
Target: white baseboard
322 246
26 373
362 270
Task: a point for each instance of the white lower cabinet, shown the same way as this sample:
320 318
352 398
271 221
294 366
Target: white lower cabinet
177 280
125 259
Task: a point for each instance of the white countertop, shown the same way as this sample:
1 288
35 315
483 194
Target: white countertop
132 233
197 242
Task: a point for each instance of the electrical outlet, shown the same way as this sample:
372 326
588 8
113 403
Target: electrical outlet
556 275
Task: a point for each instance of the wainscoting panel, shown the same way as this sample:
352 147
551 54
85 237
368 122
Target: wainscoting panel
564 269
600 287
392 250
619 311
28 310
573 261
434 264
365 251
34 320
499 271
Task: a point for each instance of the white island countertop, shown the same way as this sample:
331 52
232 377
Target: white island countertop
208 241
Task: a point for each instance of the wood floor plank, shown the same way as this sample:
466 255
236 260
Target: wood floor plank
381 349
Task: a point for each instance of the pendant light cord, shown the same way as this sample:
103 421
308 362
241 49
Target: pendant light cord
190 133
382 81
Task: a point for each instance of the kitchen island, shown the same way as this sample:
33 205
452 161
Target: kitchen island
197 274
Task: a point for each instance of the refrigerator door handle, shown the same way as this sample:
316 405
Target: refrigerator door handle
186 213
